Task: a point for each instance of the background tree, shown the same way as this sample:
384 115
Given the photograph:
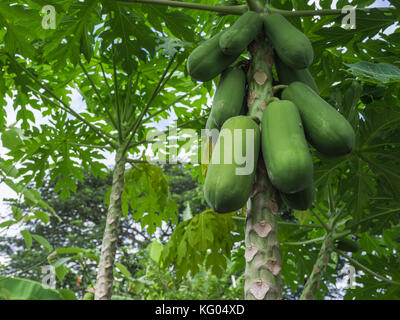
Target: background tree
80 224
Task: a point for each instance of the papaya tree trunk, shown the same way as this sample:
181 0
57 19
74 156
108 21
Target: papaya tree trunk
110 239
263 260
314 281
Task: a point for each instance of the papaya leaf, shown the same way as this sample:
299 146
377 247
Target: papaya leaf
375 72
27 238
24 289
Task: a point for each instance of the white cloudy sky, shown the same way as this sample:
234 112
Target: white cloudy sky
5 192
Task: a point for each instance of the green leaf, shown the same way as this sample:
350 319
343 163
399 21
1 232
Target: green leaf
24 289
11 139
17 213
375 72
7 223
27 238
42 241
67 294
69 250
204 238
124 270
61 272
156 248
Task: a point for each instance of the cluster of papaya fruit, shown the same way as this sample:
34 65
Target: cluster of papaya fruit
287 125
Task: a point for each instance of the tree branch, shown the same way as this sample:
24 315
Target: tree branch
311 13
169 105
255 5
98 94
164 132
67 109
237 10
290 224
366 269
322 222
300 243
119 126
158 88
89 145
240 9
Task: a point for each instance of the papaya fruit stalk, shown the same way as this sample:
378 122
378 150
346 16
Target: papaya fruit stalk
263 261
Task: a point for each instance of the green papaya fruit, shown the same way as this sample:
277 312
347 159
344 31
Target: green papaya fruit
290 44
287 75
284 147
230 174
229 96
207 61
326 129
210 124
245 109
348 245
245 29
352 94
300 200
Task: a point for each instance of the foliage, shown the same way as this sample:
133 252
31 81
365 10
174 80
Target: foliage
80 230
126 63
22 289
205 237
151 282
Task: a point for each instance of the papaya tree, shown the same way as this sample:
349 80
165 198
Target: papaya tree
348 184
133 61
120 67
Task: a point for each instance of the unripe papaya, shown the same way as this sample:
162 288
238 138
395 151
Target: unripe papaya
229 96
245 29
232 168
207 61
284 146
210 124
326 129
287 75
352 94
348 245
206 152
300 200
291 45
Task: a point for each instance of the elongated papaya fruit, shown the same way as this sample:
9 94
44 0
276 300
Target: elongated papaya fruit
291 45
232 168
326 129
300 200
207 61
287 75
229 96
210 124
245 29
206 152
284 146
348 245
